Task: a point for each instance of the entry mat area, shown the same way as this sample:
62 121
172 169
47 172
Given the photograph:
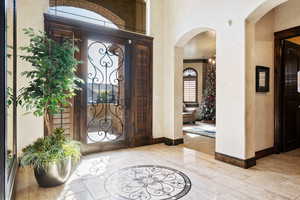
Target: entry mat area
208 130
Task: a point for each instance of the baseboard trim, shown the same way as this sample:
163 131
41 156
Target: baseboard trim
199 60
168 141
158 140
172 142
219 156
264 153
236 161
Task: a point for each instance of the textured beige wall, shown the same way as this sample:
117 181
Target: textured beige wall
10 84
201 46
285 16
250 90
30 14
156 30
264 102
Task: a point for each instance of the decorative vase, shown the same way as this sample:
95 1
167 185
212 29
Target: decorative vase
55 173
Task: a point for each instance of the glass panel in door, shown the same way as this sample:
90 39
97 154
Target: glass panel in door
105 92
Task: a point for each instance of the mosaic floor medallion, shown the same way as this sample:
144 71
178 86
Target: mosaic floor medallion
148 182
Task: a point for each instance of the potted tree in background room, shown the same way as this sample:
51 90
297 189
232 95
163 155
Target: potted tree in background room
52 82
207 110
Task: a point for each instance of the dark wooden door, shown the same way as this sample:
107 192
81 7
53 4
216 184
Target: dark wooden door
105 122
142 93
291 96
114 108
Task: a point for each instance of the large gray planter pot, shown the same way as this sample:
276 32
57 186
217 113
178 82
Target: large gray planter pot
55 174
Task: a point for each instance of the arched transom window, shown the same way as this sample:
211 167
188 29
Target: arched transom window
190 89
82 15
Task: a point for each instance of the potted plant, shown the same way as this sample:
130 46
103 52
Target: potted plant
52 82
52 158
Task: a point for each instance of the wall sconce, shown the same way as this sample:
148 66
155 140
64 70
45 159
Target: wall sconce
229 22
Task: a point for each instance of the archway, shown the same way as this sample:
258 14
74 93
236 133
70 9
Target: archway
263 9
199 92
178 73
264 14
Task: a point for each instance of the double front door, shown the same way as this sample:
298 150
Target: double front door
114 108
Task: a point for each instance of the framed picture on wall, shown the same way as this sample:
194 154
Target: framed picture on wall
262 79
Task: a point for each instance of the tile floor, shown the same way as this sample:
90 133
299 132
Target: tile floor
200 143
275 177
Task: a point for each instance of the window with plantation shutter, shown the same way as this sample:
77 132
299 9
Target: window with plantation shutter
190 85
64 120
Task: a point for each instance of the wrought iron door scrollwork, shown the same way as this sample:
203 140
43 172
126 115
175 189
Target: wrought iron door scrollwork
105 91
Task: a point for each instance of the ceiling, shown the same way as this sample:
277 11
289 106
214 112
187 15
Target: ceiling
201 46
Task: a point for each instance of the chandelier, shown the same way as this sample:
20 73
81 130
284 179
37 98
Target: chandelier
212 60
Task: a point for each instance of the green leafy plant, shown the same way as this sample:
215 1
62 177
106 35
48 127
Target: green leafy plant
10 96
50 149
52 81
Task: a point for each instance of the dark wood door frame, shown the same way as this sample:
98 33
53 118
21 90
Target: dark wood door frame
278 49
138 100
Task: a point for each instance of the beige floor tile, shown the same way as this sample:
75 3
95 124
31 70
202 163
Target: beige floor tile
276 177
200 143
78 196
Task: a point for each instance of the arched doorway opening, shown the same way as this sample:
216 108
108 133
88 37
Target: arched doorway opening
267 131
195 61
199 93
